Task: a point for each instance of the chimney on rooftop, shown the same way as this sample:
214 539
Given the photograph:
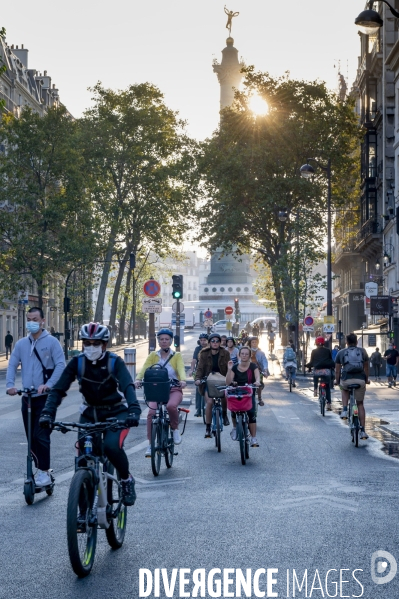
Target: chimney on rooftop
22 54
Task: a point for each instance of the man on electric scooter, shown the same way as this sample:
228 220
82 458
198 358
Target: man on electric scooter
42 360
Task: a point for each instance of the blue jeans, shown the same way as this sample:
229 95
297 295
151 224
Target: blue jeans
293 372
392 371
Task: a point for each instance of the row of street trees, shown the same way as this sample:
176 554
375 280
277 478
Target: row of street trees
250 171
86 193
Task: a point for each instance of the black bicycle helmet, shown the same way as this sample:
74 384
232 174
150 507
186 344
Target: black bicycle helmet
213 335
203 336
231 339
96 331
165 332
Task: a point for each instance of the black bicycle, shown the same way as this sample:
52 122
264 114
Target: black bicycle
322 396
162 443
290 372
95 496
239 400
30 486
217 417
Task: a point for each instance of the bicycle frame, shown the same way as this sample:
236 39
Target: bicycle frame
217 408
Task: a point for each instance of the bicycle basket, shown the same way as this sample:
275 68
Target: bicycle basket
156 384
213 380
239 400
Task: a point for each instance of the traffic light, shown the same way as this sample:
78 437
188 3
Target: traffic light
67 304
177 287
132 261
237 305
176 340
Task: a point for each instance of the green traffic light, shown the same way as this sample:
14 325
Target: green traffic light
176 294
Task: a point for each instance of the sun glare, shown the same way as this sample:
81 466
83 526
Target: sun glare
258 105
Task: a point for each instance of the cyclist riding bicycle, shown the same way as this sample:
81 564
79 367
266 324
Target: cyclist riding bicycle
289 361
173 361
245 373
258 357
321 361
212 359
352 367
100 375
232 349
271 337
202 342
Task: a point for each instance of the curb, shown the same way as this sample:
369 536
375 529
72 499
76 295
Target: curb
391 431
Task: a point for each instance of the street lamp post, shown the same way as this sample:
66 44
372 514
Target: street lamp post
307 171
369 20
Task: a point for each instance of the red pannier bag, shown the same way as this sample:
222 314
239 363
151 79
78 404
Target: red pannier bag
239 399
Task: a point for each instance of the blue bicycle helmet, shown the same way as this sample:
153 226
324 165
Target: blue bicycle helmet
165 332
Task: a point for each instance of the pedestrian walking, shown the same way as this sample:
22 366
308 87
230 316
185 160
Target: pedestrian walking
376 362
392 356
43 362
8 341
261 327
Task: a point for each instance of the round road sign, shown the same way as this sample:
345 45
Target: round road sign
151 288
174 307
308 321
229 310
208 314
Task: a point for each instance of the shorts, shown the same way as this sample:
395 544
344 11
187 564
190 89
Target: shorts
359 393
392 370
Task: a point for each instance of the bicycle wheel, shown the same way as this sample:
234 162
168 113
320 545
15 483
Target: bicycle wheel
115 533
241 438
81 532
29 491
290 381
170 446
246 437
322 400
218 429
356 429
156 447
203 408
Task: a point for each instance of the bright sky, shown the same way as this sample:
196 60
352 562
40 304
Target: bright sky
172 44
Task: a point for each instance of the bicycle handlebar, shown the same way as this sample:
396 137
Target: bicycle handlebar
95 427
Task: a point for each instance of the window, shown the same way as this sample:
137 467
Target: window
206 289
195 297
189 297
246 289
238 288
222 289
230 289
214 289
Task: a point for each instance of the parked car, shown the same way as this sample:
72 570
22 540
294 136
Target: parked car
219 325
265 319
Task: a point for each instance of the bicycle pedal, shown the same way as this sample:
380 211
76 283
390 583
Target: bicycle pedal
177 453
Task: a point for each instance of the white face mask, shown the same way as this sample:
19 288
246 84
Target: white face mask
93 352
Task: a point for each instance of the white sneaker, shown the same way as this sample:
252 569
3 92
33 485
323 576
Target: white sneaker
176 437
344 414
42 478
148 452
233 434
254 442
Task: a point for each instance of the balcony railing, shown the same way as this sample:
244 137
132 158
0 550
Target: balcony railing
9 104
371 227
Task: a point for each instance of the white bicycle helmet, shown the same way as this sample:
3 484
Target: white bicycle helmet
94 330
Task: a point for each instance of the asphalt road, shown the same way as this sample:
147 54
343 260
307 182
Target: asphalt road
307 500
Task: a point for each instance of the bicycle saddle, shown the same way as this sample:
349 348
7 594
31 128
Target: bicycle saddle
355 386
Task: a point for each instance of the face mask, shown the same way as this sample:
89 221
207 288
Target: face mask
92 352
33 327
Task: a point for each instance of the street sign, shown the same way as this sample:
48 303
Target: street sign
152 306
151 288
208 322
379 305
182 319
371 288
372 340
308 329
229 325
208 314
174 307
288 316
229 310
328 328
308 321
329 319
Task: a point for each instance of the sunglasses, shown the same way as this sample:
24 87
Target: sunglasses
87 342
215 341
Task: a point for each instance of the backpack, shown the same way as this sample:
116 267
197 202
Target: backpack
289 355
156 383
82 365
353 360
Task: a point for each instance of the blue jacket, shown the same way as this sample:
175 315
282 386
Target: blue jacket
260 357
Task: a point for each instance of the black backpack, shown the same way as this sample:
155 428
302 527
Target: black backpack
156 383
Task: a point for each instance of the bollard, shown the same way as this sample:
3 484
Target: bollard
130 361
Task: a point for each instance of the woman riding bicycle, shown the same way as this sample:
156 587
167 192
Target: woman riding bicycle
173 361
258 357
321 361
232 349
244 373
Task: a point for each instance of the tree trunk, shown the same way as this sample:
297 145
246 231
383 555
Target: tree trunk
98 316
280 304
117 288
124 307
